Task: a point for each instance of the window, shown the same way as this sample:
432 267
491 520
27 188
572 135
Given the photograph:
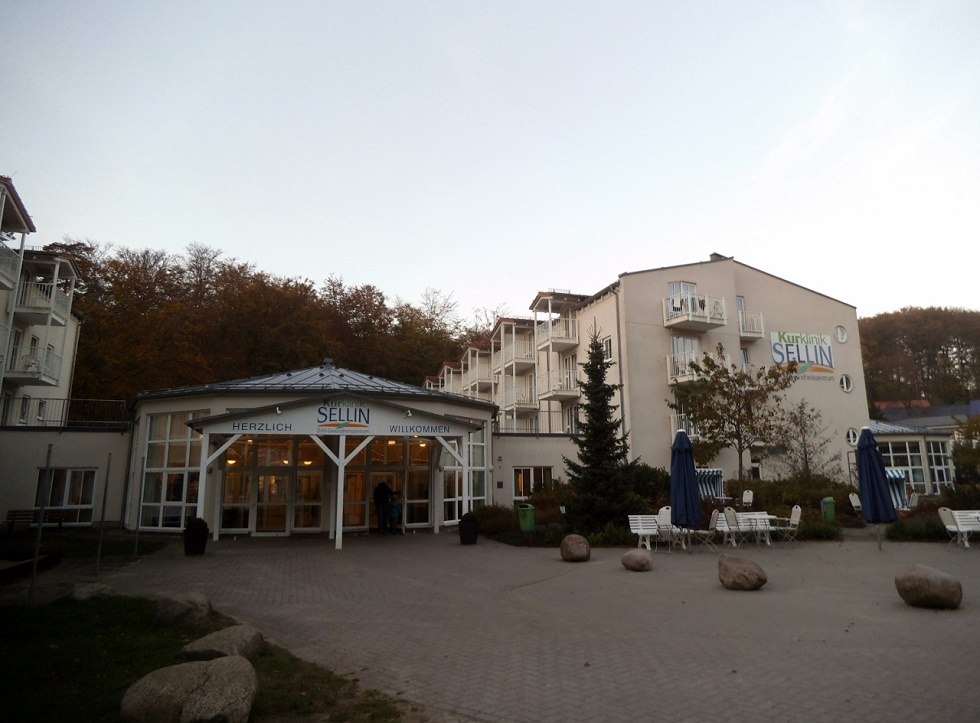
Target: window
840 333
570 419
71 492
25 409
907 457
852 436
684 350
846 383
171 470
607 350
746 363
528 480
940 466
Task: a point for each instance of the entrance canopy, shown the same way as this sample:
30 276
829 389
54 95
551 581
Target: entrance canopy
339 415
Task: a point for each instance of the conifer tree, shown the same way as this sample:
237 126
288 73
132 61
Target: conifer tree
601 476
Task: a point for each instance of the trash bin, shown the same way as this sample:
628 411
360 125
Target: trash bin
468 529
827 508
526 514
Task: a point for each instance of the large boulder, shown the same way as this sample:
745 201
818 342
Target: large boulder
575 548
738 573
190 608
243 640
926 587
638 560
213 690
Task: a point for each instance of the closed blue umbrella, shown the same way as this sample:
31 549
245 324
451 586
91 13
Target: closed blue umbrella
876 501
685 500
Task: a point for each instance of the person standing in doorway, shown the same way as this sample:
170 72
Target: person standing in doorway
382 506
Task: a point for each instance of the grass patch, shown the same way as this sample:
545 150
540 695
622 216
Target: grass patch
74 660
76 543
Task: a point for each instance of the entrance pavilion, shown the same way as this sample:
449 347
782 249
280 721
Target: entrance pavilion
301 452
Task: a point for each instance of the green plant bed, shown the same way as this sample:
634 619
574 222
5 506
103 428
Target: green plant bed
925 527
72 660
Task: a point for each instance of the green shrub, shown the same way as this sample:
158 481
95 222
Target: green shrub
816 528
492 519
962 497
612 535
919 526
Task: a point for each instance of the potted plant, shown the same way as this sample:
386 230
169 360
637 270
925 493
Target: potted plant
195 536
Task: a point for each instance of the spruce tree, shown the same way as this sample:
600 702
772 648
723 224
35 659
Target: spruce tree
600 477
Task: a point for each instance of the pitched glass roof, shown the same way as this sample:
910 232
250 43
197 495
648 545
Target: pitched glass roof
319 379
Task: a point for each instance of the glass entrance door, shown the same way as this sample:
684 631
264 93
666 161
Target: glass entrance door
272 503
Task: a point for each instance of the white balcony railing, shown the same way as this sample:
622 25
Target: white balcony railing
9 260
561 331
559 382
701 310
36 363
750 326
679 367
682 421
41 296
519 351
519 398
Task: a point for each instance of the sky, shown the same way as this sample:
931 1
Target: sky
491 150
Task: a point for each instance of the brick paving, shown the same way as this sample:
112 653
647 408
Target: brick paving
489 632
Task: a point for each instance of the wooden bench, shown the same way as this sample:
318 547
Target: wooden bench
965 522
646 527
29 518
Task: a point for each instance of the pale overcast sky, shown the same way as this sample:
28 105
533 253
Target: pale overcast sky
493 149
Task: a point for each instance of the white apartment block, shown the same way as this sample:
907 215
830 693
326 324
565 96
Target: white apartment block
38 331
652 324
300 451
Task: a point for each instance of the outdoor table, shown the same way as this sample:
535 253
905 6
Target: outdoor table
759 522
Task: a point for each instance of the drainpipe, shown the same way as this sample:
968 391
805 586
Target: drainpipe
619 353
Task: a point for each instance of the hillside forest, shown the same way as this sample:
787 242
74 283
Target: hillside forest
154 320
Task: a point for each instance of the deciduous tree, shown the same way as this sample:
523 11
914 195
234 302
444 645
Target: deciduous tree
731 406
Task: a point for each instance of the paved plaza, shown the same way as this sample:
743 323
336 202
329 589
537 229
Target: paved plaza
489 632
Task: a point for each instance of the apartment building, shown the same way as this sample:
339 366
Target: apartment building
652 324
38 330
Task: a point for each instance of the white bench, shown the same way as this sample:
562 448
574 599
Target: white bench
963 523
646 527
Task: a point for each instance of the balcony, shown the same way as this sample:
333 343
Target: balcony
37 301
682 421
9 265
560 334
558 385
520 401
679 366
77 413
750 326
519 354
526 425
694 312
476 377
40 367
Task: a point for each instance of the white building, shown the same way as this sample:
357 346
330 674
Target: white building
652 324
301 451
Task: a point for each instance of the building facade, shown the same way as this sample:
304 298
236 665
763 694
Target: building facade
651 325
301 451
